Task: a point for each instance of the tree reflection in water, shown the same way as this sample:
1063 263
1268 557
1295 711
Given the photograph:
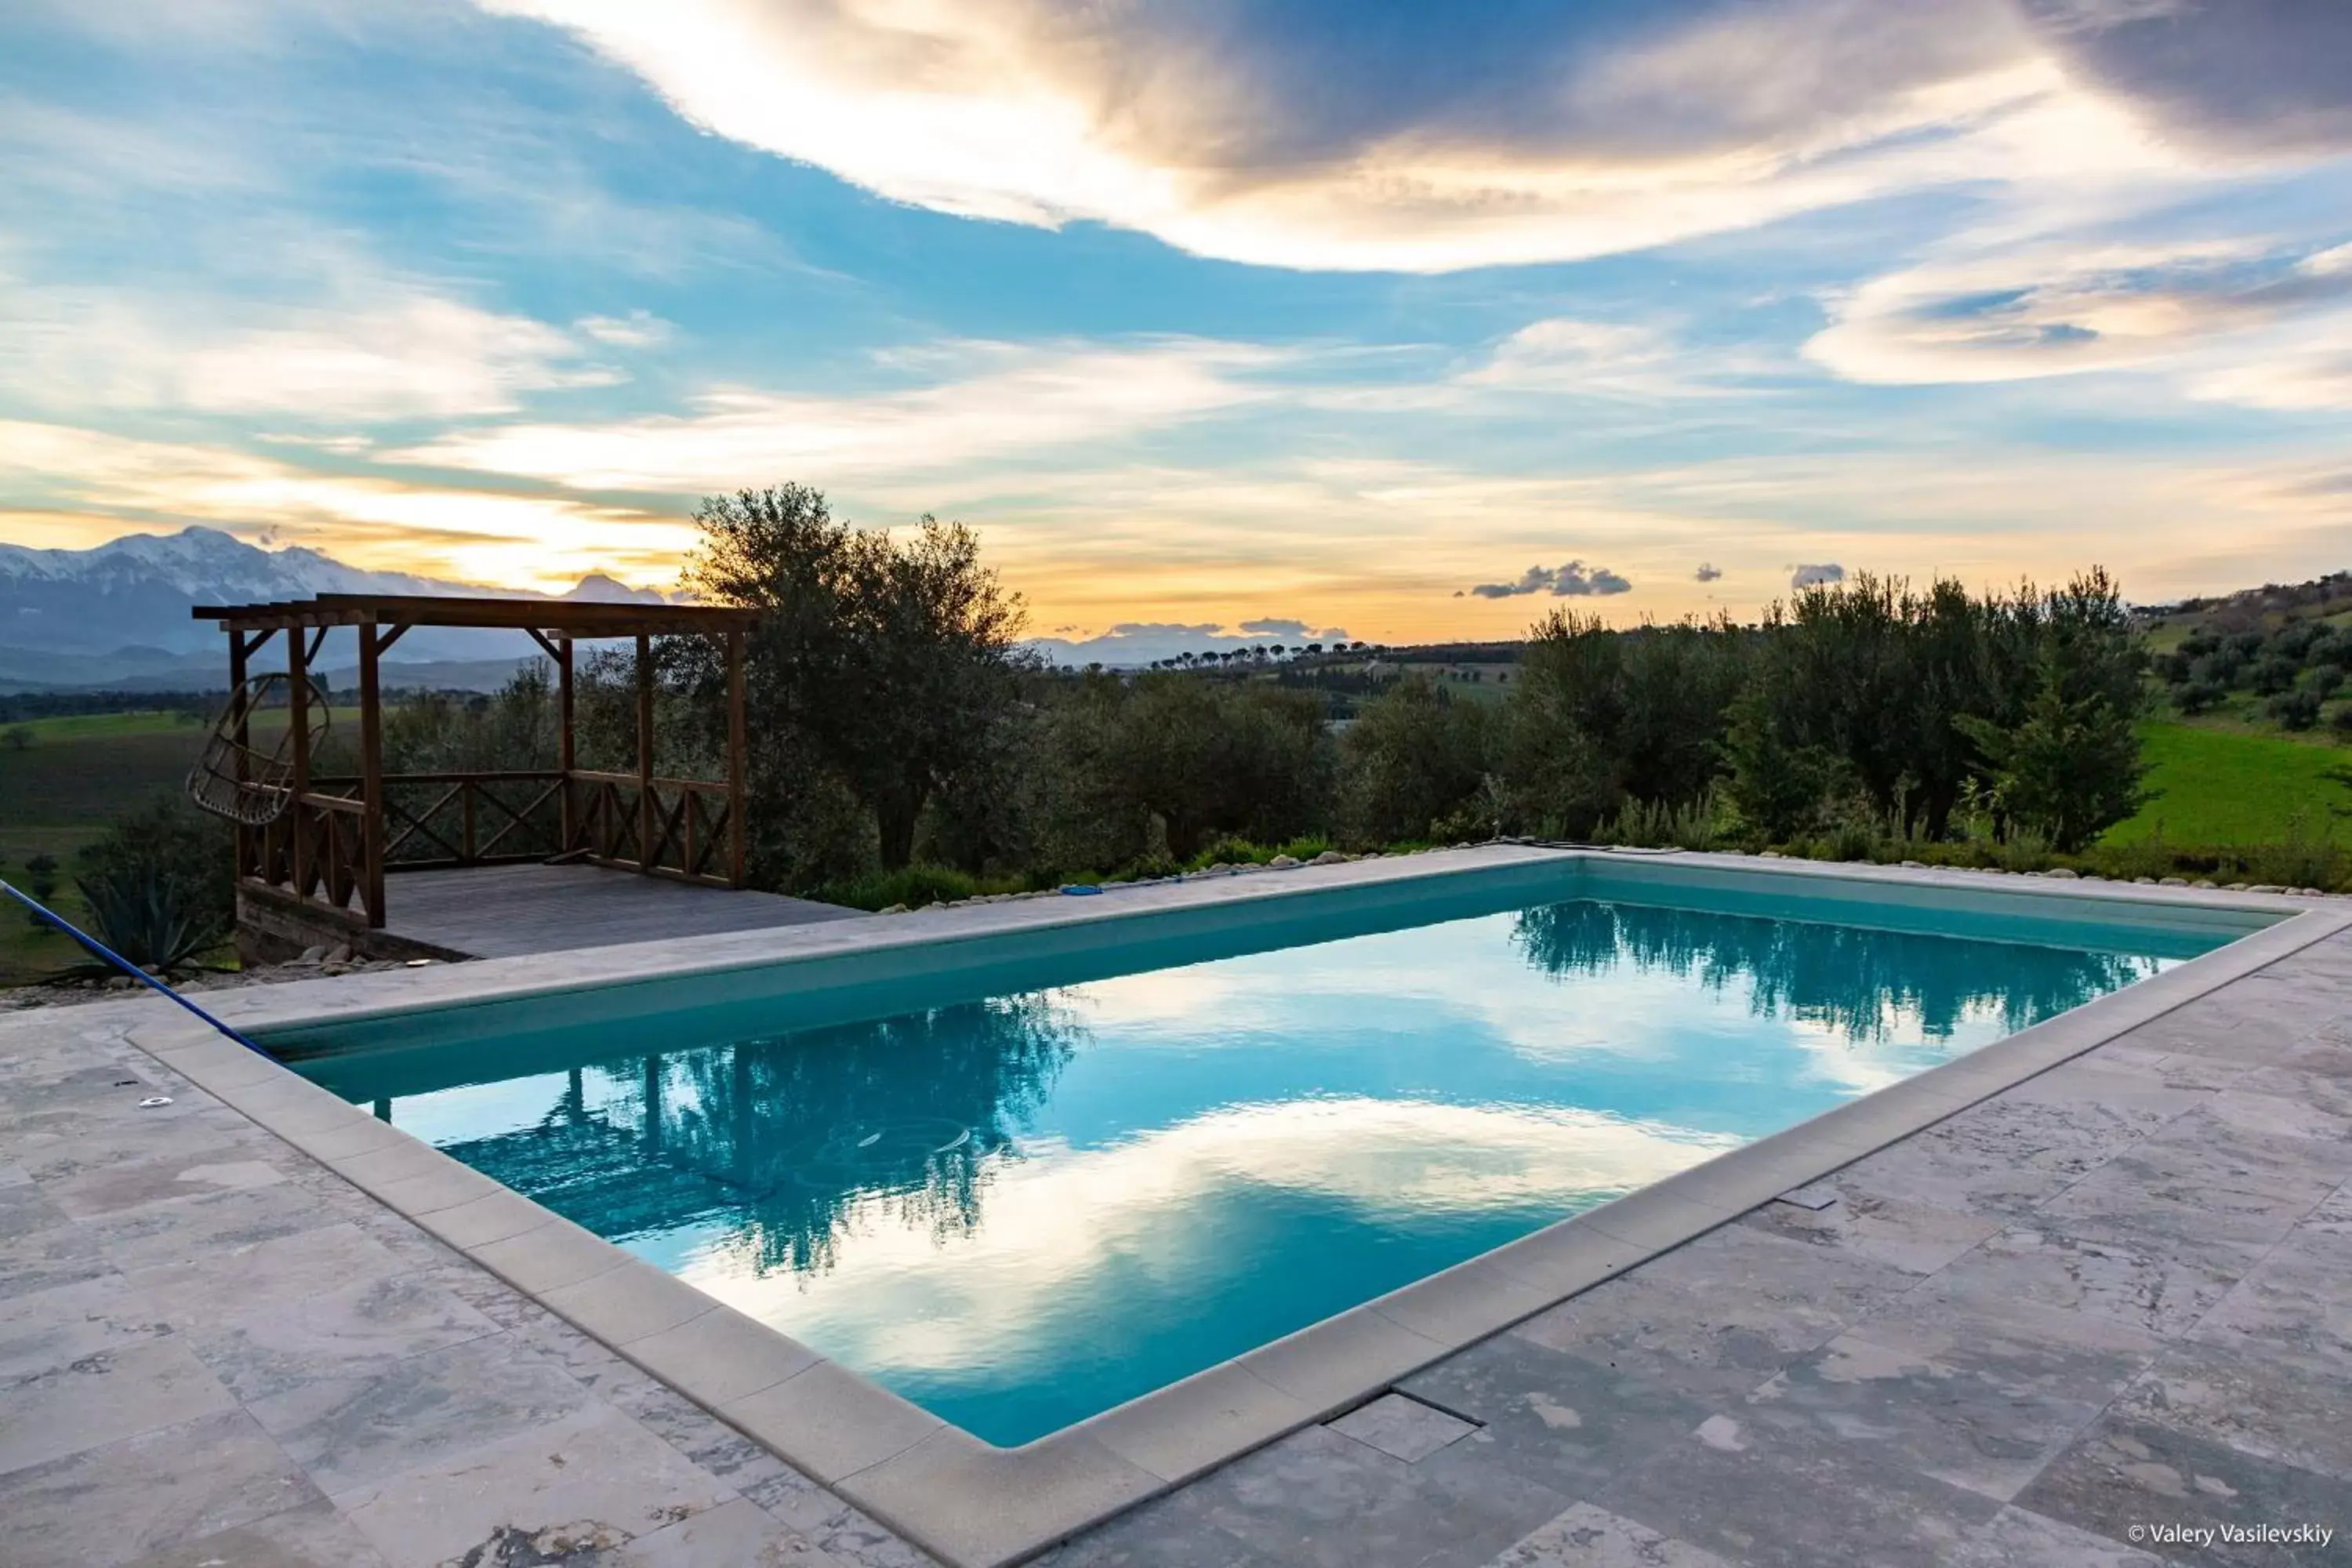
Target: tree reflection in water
783 1143
1858 981
774 1149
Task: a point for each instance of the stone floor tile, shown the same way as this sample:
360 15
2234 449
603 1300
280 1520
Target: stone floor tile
2133 1282
316 1536
2175 1070
44 1331
357 1331
2296 1304
1172 1531
594 1480
1912 1237
2141 1101
1791 1500
2297 1078
2240 1023
95 1139
118 1502
1590 1537
39 1091
1964 1427
1998 1159
2260 1115
134 1238
215 1280
849 1534
2124 1474
2228 1228
1560 1419
1318 1500
1401 1428
137 1184
2018 1537
2261 1398
729 1455
1719 1317
2242 1153
62 1253
354 1431
102 1398
2053 1352
735 1534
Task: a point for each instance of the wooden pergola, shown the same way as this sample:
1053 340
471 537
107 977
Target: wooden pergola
327 842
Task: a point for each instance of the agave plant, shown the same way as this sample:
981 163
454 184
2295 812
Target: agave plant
157 886
151 918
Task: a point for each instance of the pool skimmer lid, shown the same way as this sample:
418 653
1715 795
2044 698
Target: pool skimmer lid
1819 1195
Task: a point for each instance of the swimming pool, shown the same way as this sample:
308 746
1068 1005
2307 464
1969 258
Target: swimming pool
1025 1179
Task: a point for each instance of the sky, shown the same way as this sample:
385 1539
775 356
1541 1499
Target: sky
1398 320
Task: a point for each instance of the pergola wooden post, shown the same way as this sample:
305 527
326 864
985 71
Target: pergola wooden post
645 745
567 757
237 650
372 771
737 746
340 836
298 721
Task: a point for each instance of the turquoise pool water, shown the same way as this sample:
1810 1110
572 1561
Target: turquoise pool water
1021 1193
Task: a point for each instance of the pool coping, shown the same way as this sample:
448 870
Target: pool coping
977 1506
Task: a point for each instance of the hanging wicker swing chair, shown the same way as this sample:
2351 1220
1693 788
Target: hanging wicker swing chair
244 782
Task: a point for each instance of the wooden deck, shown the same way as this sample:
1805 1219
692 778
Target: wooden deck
503 912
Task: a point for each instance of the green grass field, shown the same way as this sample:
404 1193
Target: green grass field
94 726
2215 785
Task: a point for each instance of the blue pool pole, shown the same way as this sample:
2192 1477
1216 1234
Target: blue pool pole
124 965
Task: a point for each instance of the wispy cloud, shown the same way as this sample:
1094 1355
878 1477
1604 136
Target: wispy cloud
2218 314
1008 400
395 354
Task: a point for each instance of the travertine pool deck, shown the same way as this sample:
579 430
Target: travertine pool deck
2118 1294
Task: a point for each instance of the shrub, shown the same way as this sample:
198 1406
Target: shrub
2302 860
2219 668
1659 824
1599 717
1207 757
2071 767
1414 757
2272 674
157 885
2198 696
2150 856
914 886
2294 710
41 882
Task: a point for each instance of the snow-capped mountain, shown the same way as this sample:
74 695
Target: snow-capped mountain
103 615
202 565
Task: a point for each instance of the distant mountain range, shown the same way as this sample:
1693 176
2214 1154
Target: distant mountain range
115 619
116 616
